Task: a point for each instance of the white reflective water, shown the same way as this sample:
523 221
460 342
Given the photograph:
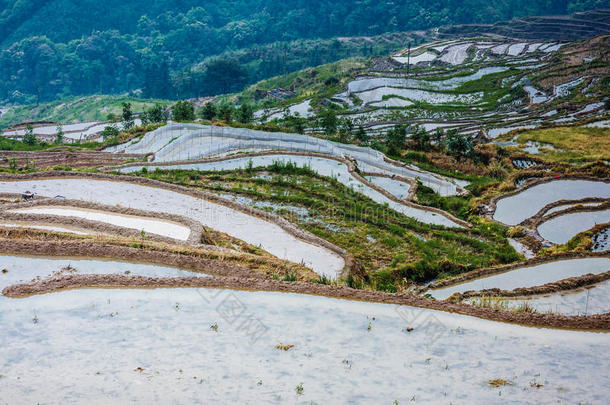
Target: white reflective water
148 225
250 229
324 167
22 269
561 229
584 301
517 208
177 142
398 189
530 276
156 346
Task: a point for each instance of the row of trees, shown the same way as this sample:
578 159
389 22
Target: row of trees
397 138
458 145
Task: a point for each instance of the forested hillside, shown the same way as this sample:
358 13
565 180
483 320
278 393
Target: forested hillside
58 48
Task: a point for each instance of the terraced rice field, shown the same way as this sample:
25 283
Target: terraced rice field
244 265
590 300
246 227
88 337
561 229
325 167
525 204
530 276
159 227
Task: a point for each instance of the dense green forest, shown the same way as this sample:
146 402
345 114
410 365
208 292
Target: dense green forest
185 48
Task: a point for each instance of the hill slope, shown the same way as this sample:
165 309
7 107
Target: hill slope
60 48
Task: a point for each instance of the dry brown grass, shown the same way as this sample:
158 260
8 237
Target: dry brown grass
498 382
260 263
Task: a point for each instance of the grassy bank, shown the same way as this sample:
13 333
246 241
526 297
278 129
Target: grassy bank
392 249
571 144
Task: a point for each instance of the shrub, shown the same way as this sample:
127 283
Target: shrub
183 111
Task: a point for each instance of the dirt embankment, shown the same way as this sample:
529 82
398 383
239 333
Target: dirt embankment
75 248
48 159
541 216
581 208
49 243
592 322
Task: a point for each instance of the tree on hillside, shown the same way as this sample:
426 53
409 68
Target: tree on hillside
157 83
459 145
421 138
346 126
59 135
225 76
183 111
395 139
328 121
295 122
127 116
438 136
29 138
361 134
208 112
245 114
155 115
109 132
225 112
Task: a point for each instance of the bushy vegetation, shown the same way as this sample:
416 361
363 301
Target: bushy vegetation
53 49
93 108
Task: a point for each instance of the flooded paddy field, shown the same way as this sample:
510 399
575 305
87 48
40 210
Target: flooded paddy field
159 227
317 247
514 209
585 301
251 229
325 167
530 276
79 344
561 229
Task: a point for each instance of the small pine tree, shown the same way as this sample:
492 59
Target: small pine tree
109 132
346 126
459 145
127 115
183 111
155 115
225 112
361 134
209 111
328 121
29 138
421 138
59 135
245 114
395 139
438 136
